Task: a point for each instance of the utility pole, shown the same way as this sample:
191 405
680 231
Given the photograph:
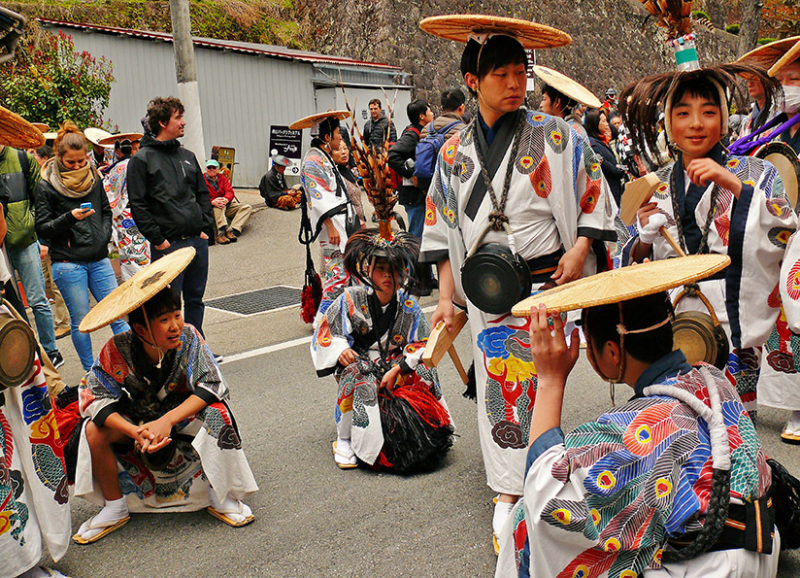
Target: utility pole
186 72
748 29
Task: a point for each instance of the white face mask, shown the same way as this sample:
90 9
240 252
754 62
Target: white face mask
791 100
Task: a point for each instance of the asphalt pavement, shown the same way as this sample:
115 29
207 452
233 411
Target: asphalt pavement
313 519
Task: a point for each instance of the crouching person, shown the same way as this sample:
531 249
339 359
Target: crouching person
157 431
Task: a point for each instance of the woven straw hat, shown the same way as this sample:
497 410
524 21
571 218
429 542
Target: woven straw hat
110 140
625 283
791 55
18 133
310 121
462 27
768 54
42 126
137 290
95 135
565 85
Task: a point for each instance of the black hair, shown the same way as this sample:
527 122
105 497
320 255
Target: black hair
452 99
125 146
327 126
165 301
415 109
697 87
592 122
567 104
600 324
45 151
497 52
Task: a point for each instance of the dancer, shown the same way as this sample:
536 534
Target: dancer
514 179
389 408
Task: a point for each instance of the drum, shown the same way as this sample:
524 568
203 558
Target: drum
699 335
495 278
17 350
783 157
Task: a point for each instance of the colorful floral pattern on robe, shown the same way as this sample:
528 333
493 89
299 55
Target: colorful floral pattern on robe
605 502
34 491
134 249
209 448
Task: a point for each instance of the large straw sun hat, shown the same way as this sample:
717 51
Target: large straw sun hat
137 290
462 27
314 119
768 54
110 140
565 85
625 283
18 133
95 135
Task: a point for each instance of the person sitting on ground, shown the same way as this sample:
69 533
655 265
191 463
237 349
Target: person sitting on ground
155 429
273 187
679 463
372 339
230 215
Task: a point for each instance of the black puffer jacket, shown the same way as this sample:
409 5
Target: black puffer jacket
168 194
71 239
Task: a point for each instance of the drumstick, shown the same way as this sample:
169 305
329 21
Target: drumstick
672 242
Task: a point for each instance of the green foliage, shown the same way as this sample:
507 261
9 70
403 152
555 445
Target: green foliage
763 41
51 82
732 29
696 14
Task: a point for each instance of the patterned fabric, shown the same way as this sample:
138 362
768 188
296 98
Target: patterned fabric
356 413
134 249
33 482
557 193
605 502
208 445
753 231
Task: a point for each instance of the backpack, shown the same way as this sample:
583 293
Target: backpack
394 182
426 153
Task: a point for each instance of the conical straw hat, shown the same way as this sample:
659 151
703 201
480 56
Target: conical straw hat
565 85
791 55
461 27
18 133
310 121
137 290
42 126
110 140
95 135
625 283
768 54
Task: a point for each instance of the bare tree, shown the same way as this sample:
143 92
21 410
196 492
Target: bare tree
750 24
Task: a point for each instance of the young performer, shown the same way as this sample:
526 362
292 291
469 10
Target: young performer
326 195
713 203
675 479
526 181
372 339
157 430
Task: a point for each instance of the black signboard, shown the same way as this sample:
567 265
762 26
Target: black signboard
287 142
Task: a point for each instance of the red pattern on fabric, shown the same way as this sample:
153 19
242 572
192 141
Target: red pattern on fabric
774 299
793 281
589 199
430 211
589 564
541 179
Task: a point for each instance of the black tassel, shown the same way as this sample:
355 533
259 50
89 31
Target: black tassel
472 385
785 493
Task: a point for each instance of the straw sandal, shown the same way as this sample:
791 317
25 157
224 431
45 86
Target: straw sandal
223 516
108 527
344 460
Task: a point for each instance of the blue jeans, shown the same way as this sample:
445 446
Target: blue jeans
416 218
75 279
191 284
29 266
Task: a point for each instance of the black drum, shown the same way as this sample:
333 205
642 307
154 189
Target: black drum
495 279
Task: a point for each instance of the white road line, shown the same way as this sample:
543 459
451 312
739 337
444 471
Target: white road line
284 345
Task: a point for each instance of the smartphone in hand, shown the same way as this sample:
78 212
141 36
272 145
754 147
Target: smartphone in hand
86 206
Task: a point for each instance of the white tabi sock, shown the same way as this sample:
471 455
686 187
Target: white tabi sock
231 507
344 446
113 511
502 510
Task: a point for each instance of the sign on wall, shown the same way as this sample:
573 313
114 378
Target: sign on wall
287 142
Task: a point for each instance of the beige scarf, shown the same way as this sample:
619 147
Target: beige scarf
73 184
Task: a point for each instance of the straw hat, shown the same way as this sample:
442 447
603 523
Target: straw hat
137 290
768 54
462 27
95 135
18 133
50 136
791 55
110 140
42 126
315 119
565 85
625 283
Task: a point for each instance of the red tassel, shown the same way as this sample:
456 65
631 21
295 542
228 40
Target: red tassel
425 404
67 419
310 297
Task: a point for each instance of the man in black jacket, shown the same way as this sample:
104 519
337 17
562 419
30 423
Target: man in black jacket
404 150
169 200
376 127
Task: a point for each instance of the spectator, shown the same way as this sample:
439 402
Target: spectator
231 215
134 250
610 102
762 110
341 156
598 131
561 96
172 209
100 156
376 127
19 175
401 159
274 189
453 110
78 237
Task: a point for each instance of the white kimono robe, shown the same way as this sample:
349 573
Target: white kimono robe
753 232
34 491
557 193
326 200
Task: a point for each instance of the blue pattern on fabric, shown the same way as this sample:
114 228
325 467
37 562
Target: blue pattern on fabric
33 408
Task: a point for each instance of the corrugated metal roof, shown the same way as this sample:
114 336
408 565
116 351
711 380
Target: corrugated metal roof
244 47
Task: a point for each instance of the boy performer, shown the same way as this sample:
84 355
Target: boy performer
521 179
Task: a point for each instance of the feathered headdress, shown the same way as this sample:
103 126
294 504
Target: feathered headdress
367 245
641 102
